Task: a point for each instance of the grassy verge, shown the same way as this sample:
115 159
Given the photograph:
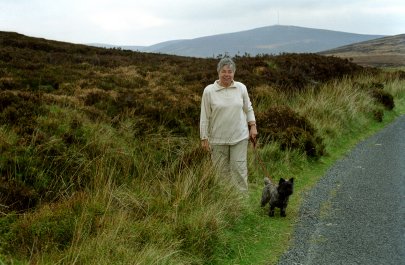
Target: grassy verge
156 200
257 239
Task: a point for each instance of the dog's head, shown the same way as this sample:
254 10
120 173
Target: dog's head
285 187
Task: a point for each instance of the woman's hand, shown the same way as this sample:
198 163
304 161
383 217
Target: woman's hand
253 134
205 145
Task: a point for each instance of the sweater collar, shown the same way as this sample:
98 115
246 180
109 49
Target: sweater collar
219 87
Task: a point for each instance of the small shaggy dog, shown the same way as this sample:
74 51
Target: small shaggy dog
277 196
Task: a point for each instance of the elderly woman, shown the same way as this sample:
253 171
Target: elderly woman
227 121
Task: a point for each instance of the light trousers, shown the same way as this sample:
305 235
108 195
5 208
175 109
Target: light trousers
231 161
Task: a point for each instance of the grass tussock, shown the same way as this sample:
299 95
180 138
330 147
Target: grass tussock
100 159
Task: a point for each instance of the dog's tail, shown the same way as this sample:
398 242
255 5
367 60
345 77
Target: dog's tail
267 181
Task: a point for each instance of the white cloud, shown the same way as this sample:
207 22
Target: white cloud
145 22
120 19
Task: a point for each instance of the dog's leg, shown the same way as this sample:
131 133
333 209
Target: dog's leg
271 211
265 196
282 212
263 202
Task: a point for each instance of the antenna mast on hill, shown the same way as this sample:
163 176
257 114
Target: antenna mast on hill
278 18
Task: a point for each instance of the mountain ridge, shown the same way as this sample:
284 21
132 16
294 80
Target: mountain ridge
386 51
274 39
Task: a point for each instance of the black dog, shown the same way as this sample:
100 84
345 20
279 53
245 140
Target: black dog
277 196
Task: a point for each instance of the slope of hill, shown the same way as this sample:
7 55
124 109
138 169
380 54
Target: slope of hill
266 40
36 62
386 51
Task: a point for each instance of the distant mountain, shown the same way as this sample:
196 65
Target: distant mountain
266 40
110 46
386 51
151 48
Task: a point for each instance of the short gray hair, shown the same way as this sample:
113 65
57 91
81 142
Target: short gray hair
226 61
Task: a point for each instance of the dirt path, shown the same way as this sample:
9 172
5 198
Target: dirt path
356 213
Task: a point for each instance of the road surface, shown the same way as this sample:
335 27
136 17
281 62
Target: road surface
356 213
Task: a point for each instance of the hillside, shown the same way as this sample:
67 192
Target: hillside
100 158
36 63
266 40
112 80
386 51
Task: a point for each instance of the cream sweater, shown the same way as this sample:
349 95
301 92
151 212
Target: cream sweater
225 113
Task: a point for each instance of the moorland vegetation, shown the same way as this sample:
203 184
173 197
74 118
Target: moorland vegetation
100 159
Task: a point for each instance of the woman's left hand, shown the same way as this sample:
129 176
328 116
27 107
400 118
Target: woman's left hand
253 134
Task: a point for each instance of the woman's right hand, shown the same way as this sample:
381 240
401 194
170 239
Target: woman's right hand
205 145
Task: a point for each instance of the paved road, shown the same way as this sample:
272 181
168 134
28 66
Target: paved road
356 213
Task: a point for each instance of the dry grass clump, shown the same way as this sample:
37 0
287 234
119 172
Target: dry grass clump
339 108
376 90
177 212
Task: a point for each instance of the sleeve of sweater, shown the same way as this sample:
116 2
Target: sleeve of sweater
247 105
205 114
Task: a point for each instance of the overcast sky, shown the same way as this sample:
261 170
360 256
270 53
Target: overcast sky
147 22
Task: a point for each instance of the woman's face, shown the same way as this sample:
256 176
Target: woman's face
225 76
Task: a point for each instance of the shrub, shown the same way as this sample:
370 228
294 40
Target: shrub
50 228
16 196
6 233
19 110
378 115
293 72
383 97
282 124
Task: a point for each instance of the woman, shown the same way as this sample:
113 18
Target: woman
227 121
